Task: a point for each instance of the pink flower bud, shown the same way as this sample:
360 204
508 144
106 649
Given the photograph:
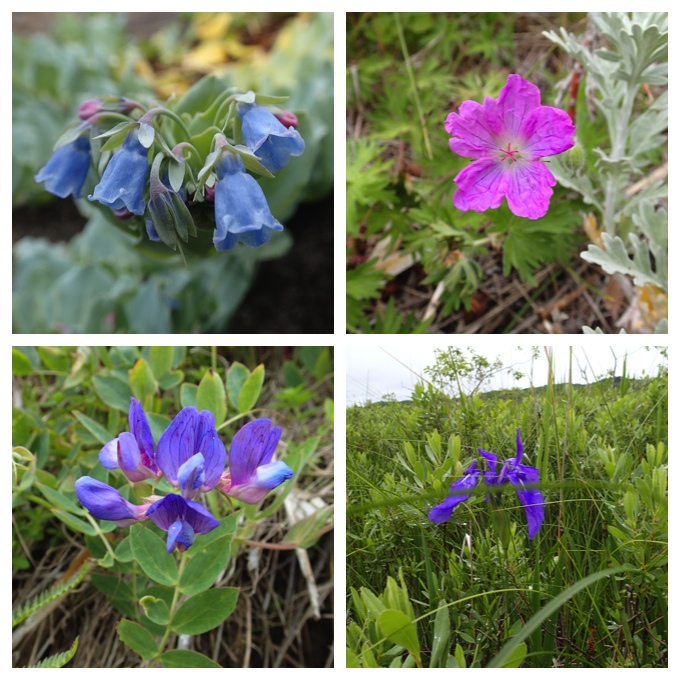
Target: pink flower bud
287 118
88 108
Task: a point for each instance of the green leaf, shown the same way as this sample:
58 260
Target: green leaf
171 379
20 363
251 389
440 639
155 609
351 659
75 523
398 628
292 375
211 396
307 531
149 551
205 611
160 359
113 391
209 557
58 499
101 434
506 653
517 657
58 660
236 378
55 358
183 658
142 381
187 395
137 638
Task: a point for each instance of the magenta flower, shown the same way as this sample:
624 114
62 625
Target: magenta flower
508 136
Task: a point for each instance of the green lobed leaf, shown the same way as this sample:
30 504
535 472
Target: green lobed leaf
138 639
205 611
183 658
150 552
212 397
251 389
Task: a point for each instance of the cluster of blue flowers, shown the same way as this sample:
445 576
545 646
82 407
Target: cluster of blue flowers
131 186
513 472
192 458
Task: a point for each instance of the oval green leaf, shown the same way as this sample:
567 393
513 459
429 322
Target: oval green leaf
205 611
149 551
251 389
137 638
211 396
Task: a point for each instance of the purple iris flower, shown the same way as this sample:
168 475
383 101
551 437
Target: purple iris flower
513 472
132 452
241 209
252 475
190 452
124 180
268 138
508 136
105 502
182 519
66 171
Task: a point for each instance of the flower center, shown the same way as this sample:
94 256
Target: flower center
509 153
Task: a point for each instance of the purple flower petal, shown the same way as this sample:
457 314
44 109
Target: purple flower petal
528 189
105 502
190 433
472 135
546 131
516 101
481 185
253 445
532 499
173 513
139 426
266 478
440 513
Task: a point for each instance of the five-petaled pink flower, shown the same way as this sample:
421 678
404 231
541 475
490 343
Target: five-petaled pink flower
508 136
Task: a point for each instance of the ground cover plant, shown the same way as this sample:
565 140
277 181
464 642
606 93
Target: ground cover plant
558 224
172 507
560 560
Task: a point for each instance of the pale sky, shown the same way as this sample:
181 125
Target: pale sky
372 372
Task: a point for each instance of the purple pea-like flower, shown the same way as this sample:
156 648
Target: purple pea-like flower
241 209
190 453
513 472
105 502
133 452
508 136
124 180
182 519
268 138
66 171
252 475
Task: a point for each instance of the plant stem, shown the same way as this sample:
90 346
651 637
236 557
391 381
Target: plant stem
414 87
